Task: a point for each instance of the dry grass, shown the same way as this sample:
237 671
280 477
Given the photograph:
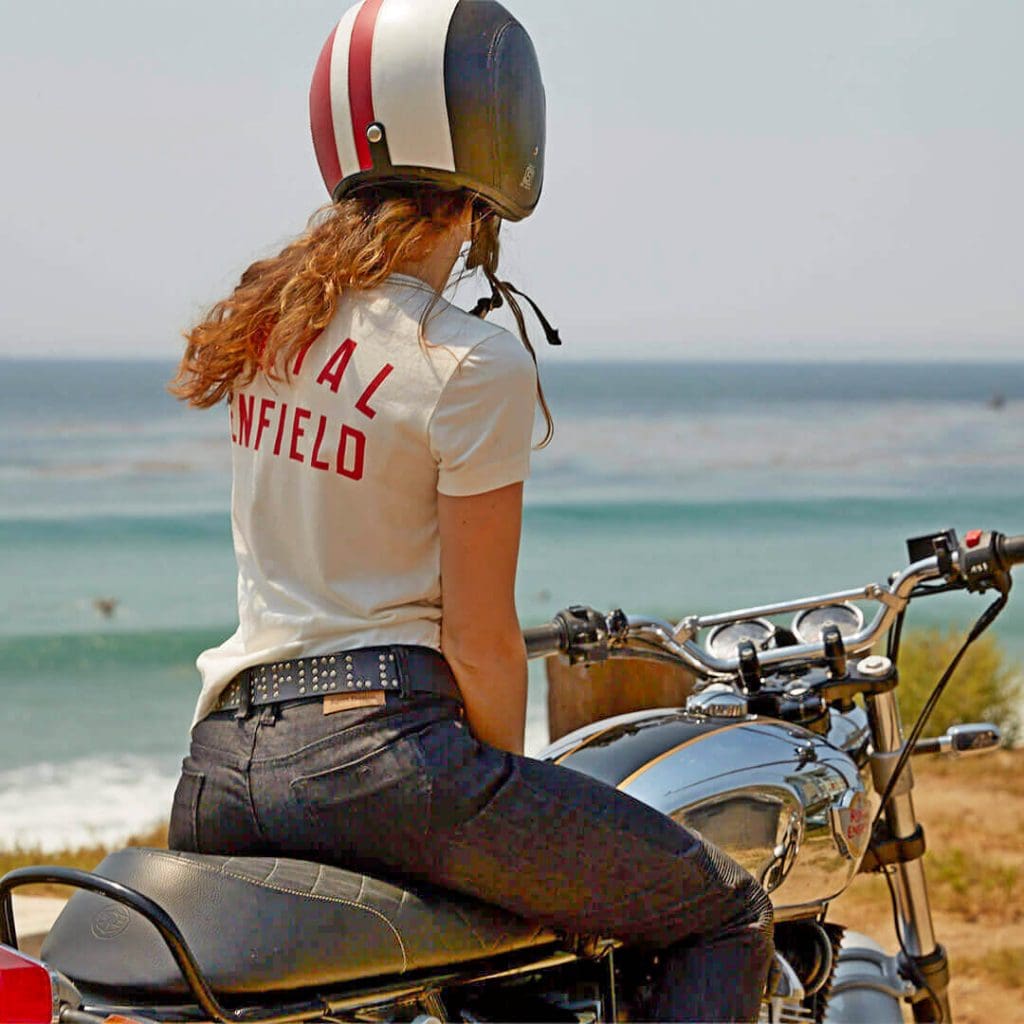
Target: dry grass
85 858
973 813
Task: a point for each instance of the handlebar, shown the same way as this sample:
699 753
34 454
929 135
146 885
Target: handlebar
1011 550
544 640
982 561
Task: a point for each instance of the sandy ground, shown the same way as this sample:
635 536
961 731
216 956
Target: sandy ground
973 813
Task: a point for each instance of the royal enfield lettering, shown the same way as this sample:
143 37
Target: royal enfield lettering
363 404
280 429
298 433
315 461
245 404
336 366
351 453
301 358
292 428
266 404
348 459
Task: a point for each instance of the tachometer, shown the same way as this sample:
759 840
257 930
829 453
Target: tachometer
809 625
724 641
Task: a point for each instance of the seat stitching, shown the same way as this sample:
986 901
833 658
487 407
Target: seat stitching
297 892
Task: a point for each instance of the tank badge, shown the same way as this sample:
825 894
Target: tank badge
851 824
717 701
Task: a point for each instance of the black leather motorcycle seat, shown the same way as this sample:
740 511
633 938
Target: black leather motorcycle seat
267 924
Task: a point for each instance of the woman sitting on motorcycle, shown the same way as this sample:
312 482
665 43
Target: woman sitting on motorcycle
369 712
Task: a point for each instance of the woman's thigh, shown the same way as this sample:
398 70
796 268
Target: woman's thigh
414 796
566 850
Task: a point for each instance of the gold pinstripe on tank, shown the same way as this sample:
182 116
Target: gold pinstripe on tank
673 750
590 739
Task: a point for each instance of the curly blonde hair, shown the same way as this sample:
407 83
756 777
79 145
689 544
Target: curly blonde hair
282 304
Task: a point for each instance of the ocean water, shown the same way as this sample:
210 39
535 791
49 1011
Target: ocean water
670 489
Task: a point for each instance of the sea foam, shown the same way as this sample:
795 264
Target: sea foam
87 802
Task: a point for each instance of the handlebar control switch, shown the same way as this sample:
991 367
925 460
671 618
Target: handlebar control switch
586 633
750 667
980 563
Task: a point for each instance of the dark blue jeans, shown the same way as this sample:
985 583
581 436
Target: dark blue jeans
406 792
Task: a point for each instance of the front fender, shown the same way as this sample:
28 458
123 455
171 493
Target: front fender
867 985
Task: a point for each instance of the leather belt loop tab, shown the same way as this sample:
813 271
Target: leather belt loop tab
404 676
244 696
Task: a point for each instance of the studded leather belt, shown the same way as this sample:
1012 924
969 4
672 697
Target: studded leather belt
397 669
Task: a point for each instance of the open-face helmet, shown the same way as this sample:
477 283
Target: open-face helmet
446 92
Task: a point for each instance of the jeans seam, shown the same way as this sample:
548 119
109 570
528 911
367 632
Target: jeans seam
260 830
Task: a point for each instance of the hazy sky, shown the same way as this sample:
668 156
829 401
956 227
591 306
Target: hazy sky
725 177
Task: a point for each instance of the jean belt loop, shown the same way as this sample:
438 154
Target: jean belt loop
244 696
404 676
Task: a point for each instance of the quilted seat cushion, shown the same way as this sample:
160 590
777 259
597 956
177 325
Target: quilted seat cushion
267 924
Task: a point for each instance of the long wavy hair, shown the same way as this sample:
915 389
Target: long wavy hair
282 304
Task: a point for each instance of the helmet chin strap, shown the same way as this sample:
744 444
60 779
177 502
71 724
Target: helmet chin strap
502 289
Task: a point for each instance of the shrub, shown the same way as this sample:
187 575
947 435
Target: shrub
986 687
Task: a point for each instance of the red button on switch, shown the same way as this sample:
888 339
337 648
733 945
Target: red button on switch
973 538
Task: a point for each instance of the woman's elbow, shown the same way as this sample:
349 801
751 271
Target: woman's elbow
481 647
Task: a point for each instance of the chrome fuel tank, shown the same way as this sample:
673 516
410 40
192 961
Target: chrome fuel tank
783 802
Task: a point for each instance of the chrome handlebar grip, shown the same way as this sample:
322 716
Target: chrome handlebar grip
542 641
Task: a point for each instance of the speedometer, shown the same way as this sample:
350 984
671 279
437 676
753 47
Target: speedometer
724 641
809 625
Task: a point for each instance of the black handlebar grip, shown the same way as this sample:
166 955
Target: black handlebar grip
1011 550
547 639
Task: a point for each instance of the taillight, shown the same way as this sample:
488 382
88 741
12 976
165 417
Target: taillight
26 995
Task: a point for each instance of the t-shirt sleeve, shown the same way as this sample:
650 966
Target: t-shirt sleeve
482 429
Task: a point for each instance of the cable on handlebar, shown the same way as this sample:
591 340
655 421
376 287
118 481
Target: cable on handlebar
987 617
896 637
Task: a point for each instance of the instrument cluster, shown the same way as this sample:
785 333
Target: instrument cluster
806 628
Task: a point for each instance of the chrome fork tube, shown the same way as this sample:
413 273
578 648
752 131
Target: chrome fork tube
913 904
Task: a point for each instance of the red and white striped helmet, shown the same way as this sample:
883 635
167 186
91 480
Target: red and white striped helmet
440 91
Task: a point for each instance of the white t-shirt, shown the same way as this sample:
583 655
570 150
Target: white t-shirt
336 476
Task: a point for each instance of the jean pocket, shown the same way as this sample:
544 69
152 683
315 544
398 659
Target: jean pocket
183 833
373 810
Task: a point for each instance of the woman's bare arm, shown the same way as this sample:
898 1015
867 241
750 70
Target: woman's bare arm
480 633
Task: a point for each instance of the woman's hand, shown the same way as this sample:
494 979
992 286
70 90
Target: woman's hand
480 633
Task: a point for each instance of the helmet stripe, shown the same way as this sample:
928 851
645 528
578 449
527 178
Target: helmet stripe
409 97
360 86
347 155
321 117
